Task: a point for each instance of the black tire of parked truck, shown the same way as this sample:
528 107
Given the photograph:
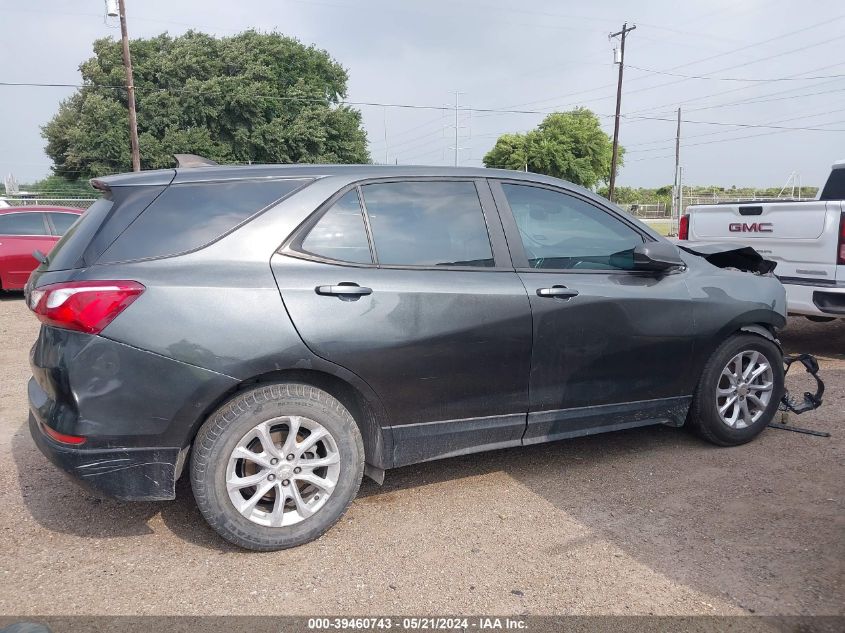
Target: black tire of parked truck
272 407
704 417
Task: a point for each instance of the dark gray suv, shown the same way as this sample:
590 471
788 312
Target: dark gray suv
279 331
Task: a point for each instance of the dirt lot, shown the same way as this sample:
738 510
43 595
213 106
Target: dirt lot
643 521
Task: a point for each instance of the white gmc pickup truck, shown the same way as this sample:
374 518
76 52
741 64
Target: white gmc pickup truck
805 238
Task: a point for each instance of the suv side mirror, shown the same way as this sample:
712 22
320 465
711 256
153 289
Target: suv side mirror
657 256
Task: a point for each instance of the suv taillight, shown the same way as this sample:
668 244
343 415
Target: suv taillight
683 227
840 250
84 306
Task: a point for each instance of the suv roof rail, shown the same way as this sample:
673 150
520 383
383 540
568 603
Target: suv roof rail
192 160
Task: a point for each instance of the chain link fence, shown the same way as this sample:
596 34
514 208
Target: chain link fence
74 202
657 210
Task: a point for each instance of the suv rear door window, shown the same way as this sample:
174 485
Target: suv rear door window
562 232
186 217
340 233
24 223
428 223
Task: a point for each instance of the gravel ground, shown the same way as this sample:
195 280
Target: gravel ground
642 521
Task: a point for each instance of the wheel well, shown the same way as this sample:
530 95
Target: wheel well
761 329
364 414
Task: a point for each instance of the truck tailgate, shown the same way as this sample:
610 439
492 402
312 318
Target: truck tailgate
801 236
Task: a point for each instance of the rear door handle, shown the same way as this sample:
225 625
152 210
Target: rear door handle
344 289
557 292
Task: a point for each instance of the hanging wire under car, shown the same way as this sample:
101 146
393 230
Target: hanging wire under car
811 400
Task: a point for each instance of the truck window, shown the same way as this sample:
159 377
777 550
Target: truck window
834 189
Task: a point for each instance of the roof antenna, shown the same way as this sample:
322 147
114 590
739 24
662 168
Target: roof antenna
192 160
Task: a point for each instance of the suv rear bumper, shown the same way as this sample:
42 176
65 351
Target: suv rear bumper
130 474
137 411
827 300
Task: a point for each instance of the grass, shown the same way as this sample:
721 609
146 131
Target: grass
661 226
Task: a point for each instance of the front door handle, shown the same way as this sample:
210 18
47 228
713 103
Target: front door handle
344 290
557 292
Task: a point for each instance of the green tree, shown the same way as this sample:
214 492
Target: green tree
569 145
253 97
663 195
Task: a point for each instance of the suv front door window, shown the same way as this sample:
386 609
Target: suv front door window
564 232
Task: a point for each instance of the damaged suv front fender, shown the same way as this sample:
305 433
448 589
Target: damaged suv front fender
732 290
729 256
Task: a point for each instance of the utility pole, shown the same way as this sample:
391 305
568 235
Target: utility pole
130 90
623 33
676 208
680 189
457 125
457 148
386 155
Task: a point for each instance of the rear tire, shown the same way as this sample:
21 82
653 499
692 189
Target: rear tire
731 405
289 455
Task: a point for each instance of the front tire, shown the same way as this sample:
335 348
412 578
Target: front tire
276 466
739 391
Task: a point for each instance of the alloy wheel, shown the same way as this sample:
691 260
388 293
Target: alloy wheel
745 389
283 471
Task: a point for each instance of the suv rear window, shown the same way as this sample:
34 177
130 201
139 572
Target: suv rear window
186 217
68 251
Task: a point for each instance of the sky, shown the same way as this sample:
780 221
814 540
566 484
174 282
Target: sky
731 65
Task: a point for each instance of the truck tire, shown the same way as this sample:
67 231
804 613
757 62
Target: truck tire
276 466
739 391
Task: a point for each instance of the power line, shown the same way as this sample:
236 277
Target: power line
414 145
738 89
438 119
410 106
748 100
686 64
725 140
741 125
629 148
414 106
744 79
753 100
756 61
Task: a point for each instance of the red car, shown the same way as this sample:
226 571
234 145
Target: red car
24 230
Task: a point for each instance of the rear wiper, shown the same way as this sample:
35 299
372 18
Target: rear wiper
41 257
